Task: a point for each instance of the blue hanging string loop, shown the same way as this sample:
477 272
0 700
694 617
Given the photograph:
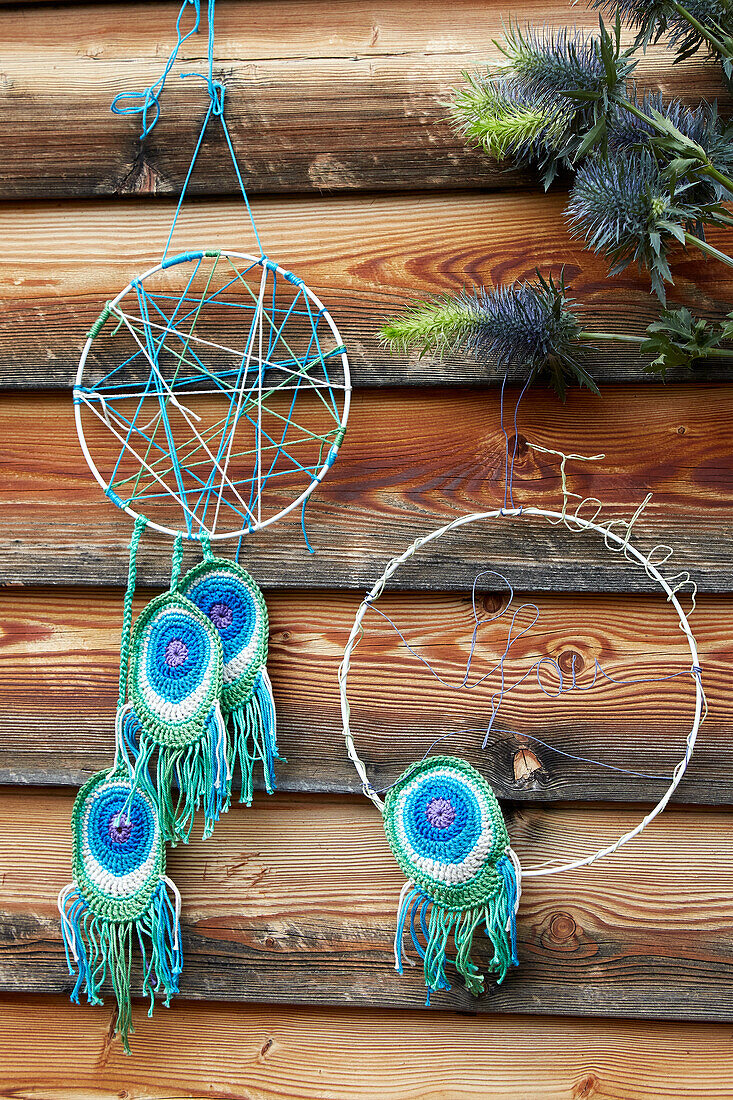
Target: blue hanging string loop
142 103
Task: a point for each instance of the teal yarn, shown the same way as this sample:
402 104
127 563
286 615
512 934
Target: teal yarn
233 603
447 833
119 896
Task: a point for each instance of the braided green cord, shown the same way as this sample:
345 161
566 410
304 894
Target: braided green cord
140 523
206 545
177 560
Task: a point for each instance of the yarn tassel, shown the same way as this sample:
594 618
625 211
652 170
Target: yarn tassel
98 949
431 925
253 736
187 776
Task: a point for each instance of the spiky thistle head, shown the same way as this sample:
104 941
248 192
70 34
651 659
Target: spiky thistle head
531 325
656 19
506 120
700 124
623 207
561 62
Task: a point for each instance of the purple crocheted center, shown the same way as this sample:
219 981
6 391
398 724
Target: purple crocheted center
440 813
176 653
120 829
221 615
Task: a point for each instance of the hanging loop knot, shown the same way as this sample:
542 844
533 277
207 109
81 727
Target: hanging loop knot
216 91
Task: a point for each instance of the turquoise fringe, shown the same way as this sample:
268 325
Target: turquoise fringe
253 730
97 948
431 925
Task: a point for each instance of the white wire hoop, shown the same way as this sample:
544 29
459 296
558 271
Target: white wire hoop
580 524
81 398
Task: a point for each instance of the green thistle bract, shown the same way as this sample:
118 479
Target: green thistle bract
507 121
526 325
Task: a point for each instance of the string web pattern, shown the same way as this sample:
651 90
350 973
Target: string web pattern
229 398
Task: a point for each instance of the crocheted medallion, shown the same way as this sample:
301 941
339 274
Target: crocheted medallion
118 856
234 604
119 897
447 833
176 669
232 601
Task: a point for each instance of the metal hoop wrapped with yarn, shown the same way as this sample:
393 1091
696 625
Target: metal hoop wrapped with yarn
120 895
212 394
228 596
447 833
443 822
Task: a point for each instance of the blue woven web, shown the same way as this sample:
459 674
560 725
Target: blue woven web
221 378
226 395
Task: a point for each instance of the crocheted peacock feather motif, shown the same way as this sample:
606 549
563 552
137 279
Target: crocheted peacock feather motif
447 833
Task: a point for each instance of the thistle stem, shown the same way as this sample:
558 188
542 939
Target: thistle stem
613 337
706 167
706 33
708 249
622 338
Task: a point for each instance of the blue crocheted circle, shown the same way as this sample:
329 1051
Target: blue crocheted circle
119 830
230 606
117 853
176 669
454 841
178 654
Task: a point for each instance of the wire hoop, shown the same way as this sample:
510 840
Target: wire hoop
87 397
579 524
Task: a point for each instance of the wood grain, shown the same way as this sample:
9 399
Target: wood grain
246 1053
60 661
313 102
366 258
410 461
294 901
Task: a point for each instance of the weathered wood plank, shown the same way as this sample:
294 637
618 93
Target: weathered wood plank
243 1051
365 258
410 461
294 900
313 103
60 662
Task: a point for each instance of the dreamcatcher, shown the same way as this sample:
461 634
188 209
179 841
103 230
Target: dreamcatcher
211 399
442 819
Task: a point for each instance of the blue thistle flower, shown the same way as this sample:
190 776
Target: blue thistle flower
700 124
623 207
561 62
530 325
656 19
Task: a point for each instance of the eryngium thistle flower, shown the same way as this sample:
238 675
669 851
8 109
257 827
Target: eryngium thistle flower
623 207
701 124
508 121
659 18
526 325
559 62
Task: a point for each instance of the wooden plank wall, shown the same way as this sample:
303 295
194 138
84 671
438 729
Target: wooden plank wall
338 115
